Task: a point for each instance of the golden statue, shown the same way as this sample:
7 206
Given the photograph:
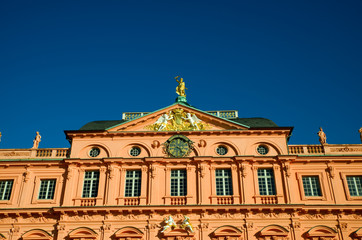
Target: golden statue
180 89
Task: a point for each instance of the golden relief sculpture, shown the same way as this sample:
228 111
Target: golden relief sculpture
178 120
180 89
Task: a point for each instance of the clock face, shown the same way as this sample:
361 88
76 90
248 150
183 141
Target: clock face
178 147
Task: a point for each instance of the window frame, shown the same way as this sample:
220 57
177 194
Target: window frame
178 184
321 176
15 189
310 185
133 180
274 187
223 177
58 182
90 191
344 176
6 187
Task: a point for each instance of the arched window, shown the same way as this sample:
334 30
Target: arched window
128 233
82 233
36 234
226 233
321 232
273 232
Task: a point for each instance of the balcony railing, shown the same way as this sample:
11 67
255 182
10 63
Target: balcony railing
306 149
34 153
131 201
225 200
178 200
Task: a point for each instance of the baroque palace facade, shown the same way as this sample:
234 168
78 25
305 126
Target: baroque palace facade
182 173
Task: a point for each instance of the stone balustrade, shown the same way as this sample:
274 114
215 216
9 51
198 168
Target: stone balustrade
326 149
34 153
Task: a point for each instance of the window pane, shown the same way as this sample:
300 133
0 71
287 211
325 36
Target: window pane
178 183
223 182
311 186
90 186
47 188
5 189
133 184
355 185
266 181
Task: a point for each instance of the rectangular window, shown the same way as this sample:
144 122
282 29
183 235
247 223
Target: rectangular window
47 188
5 189
133 184
266 181
90 186
223 182
354 185
178 183
311 186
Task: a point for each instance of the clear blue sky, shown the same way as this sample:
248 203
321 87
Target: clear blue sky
66 63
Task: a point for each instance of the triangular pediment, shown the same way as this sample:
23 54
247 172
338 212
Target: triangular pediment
178 117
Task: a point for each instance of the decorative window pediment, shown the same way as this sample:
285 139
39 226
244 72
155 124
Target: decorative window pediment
321 232
82 233
2 237
357 234
36 234
273 232
178 234
226 233
128 233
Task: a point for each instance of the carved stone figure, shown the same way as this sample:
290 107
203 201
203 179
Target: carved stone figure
360 134
36 141
180 89
186 224
192 119
322 136
169 223
163 121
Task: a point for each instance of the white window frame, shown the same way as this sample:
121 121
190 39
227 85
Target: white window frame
6 189
180 180
132 180
92 180
265 178
224 179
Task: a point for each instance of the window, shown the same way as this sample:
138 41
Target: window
221 150
135 151
90 186
47 188
223 182
311 186
354 185
133 184
263 150
266 181
94 152
5 189
178 183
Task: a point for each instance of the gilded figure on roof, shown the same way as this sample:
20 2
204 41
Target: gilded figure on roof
180 89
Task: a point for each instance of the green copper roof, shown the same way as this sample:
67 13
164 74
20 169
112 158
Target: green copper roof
252 122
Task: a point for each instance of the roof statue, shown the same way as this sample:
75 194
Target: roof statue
36 141
322 136
180 89
360 133
0 136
